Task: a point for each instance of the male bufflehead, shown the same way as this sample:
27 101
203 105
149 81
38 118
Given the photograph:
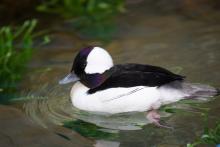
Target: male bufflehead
104 87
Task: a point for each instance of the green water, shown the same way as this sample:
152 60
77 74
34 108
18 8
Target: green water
184 40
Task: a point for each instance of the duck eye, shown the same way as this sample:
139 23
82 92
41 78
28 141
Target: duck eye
84 64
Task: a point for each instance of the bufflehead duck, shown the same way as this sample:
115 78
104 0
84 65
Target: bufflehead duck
104 87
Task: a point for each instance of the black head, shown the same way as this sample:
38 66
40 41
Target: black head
91 66
80 61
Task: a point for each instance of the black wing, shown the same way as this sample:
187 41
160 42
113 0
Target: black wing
130 75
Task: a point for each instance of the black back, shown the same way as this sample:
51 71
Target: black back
130 75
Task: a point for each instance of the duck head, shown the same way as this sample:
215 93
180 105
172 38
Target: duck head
91 67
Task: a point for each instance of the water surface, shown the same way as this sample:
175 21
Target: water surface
179 37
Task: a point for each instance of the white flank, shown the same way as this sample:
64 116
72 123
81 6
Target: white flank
98 61
118 100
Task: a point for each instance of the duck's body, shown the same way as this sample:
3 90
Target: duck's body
119 100
130 87
104 87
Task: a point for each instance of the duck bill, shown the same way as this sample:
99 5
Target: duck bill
72 77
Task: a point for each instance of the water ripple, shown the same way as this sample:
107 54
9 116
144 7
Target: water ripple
48 106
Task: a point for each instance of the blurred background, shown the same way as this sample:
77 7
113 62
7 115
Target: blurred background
40 38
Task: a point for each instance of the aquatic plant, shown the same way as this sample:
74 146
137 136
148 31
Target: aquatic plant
89 130
211 136
15 50
92 18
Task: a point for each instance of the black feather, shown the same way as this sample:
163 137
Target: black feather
130 75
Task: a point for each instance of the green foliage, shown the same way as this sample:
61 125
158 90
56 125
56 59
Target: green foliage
89 130
97 9
15 51
209 137
92 18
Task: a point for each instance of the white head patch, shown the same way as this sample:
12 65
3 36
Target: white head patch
98 61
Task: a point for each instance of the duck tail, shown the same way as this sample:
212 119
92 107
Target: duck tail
200 91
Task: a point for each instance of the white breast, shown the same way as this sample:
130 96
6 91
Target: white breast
117 100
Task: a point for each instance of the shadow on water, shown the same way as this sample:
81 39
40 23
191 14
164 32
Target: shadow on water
185 42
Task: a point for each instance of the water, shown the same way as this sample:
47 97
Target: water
186 42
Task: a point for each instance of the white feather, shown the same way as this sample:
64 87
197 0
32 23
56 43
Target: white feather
98 61
118 100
